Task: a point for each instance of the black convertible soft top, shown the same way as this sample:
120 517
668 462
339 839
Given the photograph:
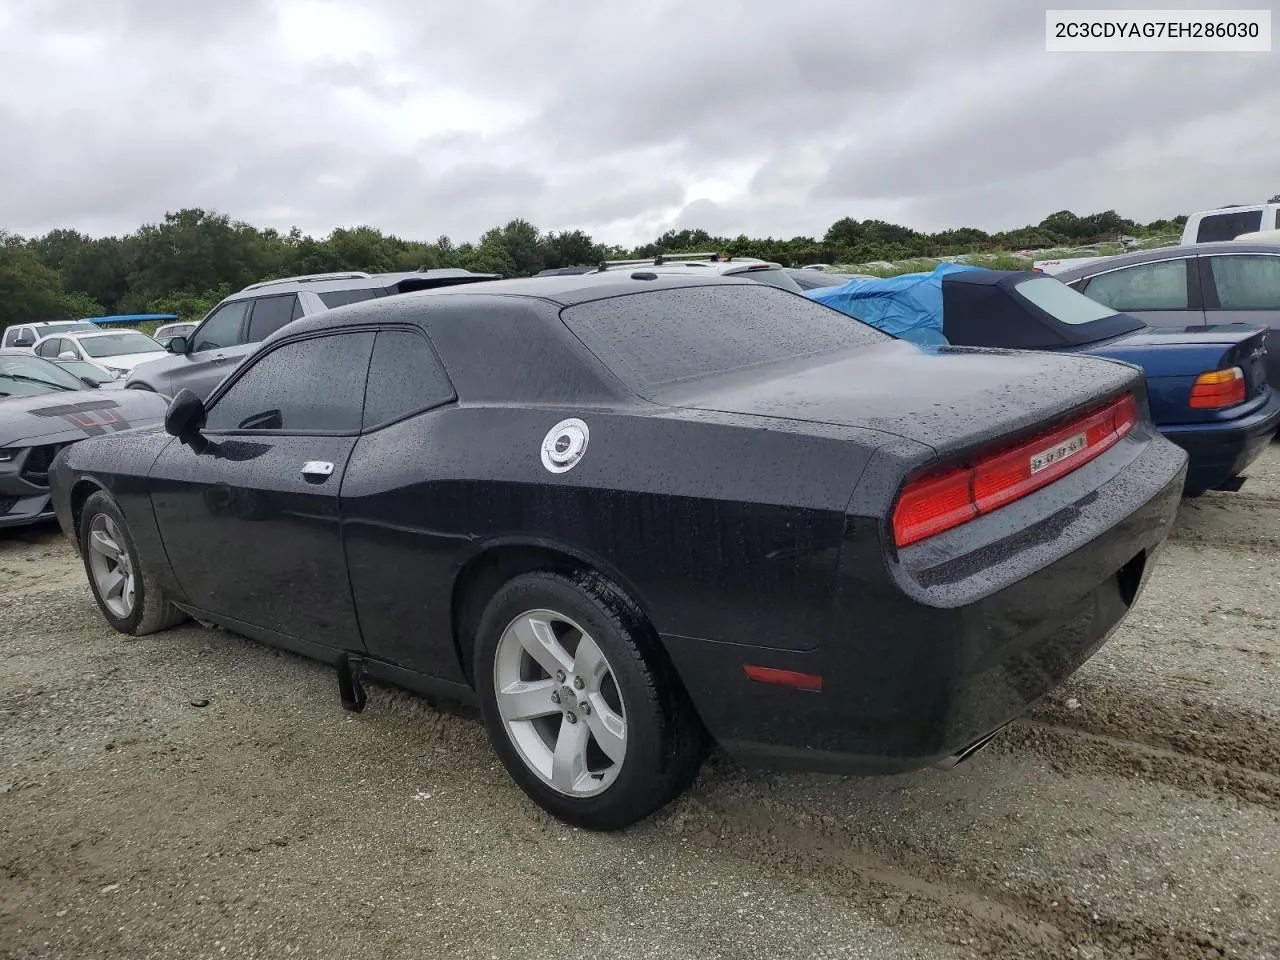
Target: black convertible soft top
1026 311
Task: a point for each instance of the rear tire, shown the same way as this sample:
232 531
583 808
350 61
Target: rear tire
580 703
126 591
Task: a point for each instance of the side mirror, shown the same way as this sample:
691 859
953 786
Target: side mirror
23 342
89 382
184 418
67 355
177 345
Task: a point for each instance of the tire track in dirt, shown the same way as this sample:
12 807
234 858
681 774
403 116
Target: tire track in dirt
1242 519
1192 727
1069 747
911 882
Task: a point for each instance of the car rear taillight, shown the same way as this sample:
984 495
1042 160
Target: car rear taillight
1218 389
941 500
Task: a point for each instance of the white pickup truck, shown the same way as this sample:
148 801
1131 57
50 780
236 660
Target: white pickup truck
1228 223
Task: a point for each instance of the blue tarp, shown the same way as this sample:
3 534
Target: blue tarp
908 306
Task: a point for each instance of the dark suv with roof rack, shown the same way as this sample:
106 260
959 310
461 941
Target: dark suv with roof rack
233 329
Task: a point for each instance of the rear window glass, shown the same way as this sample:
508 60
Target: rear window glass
1228 226
672 336
340 298
1061 302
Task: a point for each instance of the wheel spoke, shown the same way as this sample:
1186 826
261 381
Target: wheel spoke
569 764
589 663
103 544
527 700
112 584
128 593
608 727
540 642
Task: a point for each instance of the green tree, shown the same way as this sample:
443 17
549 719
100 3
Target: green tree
30 291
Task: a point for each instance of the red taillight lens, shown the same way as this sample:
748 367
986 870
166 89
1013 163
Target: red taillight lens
941 500
1217 389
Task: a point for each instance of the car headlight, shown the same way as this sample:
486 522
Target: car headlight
117 372
7 454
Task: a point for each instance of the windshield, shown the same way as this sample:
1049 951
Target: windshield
672 336
83 368
1061 302
49 329
119 344
31 376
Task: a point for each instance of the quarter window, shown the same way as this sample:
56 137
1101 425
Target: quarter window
224 328
269 315
1145 286
1247 283
405 377
308 386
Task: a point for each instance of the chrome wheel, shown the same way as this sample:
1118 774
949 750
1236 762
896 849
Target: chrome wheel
560 704
111 567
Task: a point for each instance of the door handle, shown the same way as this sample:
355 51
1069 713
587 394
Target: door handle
317 469
217 358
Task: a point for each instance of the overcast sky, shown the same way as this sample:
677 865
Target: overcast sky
620 118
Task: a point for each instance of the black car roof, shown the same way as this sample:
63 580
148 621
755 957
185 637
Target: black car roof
1164 253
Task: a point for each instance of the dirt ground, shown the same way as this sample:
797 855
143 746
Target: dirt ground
195 795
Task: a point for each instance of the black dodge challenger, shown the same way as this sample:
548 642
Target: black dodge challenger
631 514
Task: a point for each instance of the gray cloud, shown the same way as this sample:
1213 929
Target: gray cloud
622 120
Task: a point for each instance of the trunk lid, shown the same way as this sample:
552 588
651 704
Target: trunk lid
950 398
1172 359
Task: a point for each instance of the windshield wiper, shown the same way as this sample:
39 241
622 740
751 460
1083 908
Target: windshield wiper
25 379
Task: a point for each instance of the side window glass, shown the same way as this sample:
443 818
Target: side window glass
48 349
308 386
1247 283
269 315
297 309
405 377
223 328
1228 226
1147 286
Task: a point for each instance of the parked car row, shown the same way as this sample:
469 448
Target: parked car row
1207 384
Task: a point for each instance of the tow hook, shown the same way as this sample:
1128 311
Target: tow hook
351 682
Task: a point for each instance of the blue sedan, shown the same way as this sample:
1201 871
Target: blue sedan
1207 385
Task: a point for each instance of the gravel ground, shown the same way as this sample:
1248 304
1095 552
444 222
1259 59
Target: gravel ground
194 795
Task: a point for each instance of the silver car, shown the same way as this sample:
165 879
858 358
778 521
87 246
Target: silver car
232 330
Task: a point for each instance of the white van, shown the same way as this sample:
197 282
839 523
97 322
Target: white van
1227 223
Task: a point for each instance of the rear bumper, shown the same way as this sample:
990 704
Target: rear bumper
1219 451
911 684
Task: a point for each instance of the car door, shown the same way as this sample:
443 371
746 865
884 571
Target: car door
398 504
210 348
250 523
1245 288
1163 293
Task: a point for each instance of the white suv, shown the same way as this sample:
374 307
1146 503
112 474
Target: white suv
25 335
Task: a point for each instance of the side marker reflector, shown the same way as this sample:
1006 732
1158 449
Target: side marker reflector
808 682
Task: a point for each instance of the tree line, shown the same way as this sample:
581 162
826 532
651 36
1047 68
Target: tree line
193 258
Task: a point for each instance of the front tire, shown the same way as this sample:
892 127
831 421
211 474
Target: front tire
580 703
128 595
